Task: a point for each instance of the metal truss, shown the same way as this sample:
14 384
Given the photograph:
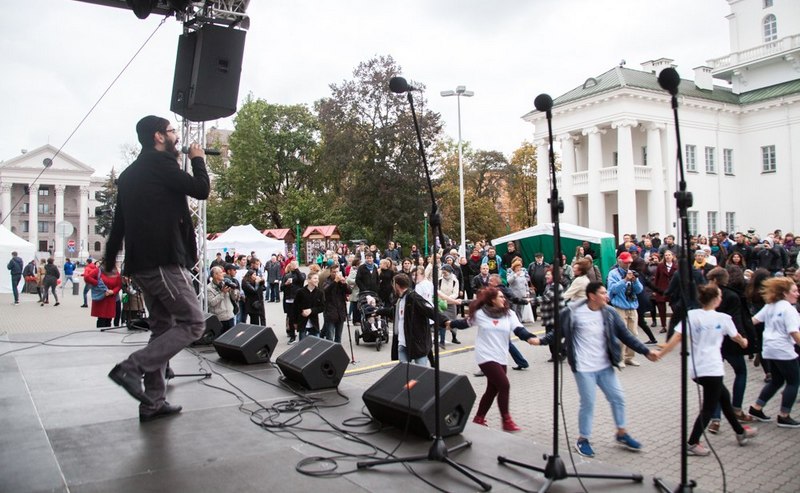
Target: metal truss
196 132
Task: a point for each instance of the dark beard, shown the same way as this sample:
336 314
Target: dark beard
172 148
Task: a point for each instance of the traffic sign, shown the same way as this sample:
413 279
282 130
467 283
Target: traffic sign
71 244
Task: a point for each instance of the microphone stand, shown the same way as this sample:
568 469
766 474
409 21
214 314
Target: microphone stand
555 470
438 451
669 80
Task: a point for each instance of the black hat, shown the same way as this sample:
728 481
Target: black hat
231 267
148 126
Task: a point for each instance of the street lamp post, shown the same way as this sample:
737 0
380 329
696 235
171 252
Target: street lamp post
297 238
425 223
460 91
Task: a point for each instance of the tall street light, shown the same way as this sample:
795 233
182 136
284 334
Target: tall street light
425 223
460 91
297 238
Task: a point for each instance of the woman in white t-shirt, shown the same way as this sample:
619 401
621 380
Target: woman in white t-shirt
492 314
781 333
707 328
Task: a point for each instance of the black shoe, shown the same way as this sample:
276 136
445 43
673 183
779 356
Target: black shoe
292 339
162 412
759 415
456 341
650 343
57 303
478 374
550 360
84 305
131 382
520 367
787 422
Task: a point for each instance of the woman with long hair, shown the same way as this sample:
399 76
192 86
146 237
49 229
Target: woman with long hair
736 258
781 333
755 303
496 321
718 251
254 287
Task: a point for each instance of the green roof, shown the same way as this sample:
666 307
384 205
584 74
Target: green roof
620 77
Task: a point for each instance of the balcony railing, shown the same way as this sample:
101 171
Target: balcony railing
762 51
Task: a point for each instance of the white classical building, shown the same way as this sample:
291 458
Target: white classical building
34 198
741 140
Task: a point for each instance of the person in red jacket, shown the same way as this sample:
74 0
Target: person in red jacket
104 309
89 271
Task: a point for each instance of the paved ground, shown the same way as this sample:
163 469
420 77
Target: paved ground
652 393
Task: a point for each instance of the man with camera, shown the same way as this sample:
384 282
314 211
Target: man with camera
222 294
623 287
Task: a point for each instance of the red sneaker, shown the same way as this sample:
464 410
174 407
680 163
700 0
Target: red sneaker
480 420
509 425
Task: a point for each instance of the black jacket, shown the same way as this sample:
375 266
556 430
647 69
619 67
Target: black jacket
15 266
366 280
253 293
335 301
315 300
152 215
416 325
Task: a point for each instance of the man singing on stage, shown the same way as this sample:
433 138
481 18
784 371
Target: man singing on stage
153 217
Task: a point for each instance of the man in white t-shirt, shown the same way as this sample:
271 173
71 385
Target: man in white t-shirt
592 332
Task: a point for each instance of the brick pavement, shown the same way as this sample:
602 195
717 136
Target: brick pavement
652 394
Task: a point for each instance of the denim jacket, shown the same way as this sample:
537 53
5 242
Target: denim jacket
617 285
615 332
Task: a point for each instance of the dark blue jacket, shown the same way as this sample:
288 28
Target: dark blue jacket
15 266
615 332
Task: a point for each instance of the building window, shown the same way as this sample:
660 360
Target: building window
770 28
727 161
97 247
644 155
692 220
730 222
768 159
616 158
26 208
44 227
712 222
767 4
691 158
44 191
25 227
711 162
44 208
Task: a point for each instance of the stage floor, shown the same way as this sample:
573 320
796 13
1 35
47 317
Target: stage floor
67 427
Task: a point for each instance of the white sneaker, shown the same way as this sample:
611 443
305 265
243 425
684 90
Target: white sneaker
698 450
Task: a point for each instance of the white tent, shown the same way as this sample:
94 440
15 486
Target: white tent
244 239
9 242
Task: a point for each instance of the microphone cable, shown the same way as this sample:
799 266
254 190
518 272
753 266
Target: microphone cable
78 126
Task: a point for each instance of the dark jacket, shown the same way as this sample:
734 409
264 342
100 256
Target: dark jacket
479 283
536 273
385 289
335 301
152 215
734 304
315 300
253 293
415 325
615 329
15 266
51 274
366 280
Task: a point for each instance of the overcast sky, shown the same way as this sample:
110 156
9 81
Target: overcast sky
60 55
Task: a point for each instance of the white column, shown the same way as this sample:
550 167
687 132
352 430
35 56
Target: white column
83 229
656 201
542 183
567 170
626 183
596 205
58 251
5 203
33 216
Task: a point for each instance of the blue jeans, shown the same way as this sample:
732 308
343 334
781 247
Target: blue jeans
739 366
587 389
15 279
516 355
332 331
783 371
402 355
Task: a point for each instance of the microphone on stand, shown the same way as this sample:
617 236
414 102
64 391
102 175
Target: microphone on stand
399 85
544 102
209 152
669 80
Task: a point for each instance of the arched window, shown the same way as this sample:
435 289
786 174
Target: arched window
770 28
97 247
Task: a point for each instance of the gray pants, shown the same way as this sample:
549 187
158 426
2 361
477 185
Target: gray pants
175 321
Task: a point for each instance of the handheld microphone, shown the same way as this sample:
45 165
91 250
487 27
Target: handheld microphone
209 152
399 85
669 80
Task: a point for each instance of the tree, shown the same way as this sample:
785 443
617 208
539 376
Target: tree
272 151
521 173
368 160
105 211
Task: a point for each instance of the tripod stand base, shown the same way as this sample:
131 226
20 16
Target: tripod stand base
555 470
439 453
661 485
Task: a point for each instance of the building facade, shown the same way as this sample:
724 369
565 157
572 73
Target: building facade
38 200
739 140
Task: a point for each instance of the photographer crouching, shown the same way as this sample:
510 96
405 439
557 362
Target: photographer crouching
222 293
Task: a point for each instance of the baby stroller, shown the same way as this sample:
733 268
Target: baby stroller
374 328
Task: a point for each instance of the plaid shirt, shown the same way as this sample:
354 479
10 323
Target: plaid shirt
546 305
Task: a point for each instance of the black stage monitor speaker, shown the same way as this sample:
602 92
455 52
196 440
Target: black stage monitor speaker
314 363
248 344
213 330
207 71
399 398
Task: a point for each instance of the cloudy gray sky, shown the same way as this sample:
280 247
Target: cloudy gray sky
60 55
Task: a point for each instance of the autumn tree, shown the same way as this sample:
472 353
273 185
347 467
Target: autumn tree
521 176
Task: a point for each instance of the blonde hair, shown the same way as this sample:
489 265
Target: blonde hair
775 289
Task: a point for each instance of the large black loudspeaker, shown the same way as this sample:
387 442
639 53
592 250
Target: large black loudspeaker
405 395
248 344
213 330
314 363
207 71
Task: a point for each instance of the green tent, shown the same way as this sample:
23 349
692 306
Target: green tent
539 238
